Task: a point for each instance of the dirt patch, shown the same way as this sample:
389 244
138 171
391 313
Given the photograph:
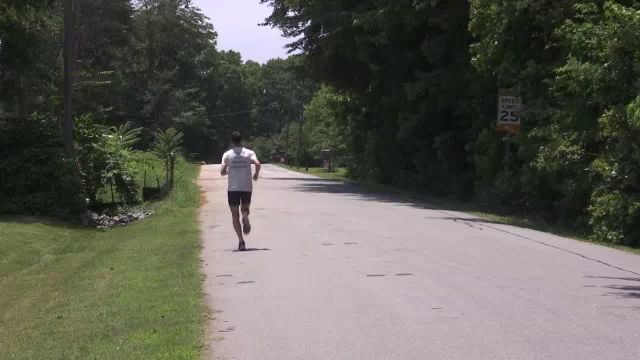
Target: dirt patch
203 198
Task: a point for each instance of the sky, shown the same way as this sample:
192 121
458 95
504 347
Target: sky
236 22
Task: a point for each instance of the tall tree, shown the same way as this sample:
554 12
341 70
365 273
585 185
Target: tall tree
406 61
103 37
172 41
30 64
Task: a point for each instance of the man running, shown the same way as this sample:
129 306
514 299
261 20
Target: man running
237 164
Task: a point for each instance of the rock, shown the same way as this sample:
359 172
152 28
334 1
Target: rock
123 218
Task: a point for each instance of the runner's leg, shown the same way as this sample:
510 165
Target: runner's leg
234 206
235 215
246 210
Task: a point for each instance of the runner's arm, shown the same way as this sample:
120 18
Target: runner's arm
256 162
258 167
224 170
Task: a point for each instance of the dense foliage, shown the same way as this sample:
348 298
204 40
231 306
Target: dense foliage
403 91
142 67
104 160
422 78
153 63
35 176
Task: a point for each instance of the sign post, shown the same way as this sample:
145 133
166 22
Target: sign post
509 117
327 160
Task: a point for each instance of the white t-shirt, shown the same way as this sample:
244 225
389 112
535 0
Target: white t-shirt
239 161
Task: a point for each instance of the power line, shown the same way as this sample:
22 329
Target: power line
243 112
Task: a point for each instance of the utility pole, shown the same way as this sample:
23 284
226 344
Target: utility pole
286 139
300 121
69 43
288 125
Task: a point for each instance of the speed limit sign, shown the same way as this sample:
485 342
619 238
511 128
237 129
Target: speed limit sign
509 112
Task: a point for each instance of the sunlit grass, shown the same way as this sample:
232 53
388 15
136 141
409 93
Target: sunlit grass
338 174
130 293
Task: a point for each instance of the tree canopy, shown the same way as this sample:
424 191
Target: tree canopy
425 77
404 91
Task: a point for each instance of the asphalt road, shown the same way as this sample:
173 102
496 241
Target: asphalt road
339 273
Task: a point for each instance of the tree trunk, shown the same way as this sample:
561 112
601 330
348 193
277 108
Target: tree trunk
68 77
173 169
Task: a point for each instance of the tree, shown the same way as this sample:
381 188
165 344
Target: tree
167 146
29 57
406 64
601 112
103 29
325 124
124 136
173 44
281 93
104 160
422 79
516 47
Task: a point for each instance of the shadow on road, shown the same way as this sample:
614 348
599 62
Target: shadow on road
337 187
422 202
298 179
613 278
251 250
414 200
624 291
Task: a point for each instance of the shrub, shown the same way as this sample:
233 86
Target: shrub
615 218
615 202
35 177
105 160
167 146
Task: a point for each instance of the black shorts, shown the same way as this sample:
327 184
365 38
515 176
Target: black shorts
237 198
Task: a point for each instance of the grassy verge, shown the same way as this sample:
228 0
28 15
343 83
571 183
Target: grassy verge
340 174
131 293
530 222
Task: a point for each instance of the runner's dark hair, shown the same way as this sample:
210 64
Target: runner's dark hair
236 138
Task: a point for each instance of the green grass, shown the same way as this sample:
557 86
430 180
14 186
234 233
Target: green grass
340 174
472 208
131 293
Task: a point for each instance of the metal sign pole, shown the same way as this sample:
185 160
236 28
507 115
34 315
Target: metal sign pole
507 156
300 142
